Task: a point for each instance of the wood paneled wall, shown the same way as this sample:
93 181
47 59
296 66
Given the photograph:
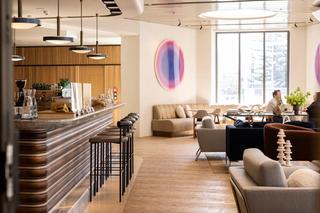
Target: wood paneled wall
49 64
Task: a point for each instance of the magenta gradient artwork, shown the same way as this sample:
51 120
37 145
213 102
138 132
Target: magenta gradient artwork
169 64
317 67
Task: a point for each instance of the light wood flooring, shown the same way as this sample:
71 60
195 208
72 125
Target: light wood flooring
168 180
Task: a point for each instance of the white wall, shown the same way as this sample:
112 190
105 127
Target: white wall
140 88
312 42
130 79
205 65
297 75
151 93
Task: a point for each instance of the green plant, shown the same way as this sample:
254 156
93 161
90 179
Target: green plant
297 97
41 86
64 82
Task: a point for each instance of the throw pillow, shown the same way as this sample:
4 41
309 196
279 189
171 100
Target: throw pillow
304 178
180 112
187 110
241 124
207 122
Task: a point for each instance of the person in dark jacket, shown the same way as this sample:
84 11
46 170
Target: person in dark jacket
314 110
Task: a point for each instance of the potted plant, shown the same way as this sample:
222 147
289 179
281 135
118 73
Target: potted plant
297 98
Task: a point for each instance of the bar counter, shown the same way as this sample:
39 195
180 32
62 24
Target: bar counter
54 157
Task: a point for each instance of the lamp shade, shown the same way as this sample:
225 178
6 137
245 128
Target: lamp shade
58 39
97 56
21 23
17 58
81 49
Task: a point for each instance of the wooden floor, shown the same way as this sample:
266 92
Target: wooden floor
170 181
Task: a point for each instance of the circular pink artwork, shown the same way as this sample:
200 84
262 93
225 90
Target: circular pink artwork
169 64
317 67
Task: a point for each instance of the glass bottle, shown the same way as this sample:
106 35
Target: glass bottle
34 104
27 104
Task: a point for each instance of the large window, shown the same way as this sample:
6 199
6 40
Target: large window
250 66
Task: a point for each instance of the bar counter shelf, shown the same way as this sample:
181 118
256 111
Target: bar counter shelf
54 157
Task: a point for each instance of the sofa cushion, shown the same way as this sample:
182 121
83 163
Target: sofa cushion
207 122
180 112
187 110
172 125
304 178
263 170
165 111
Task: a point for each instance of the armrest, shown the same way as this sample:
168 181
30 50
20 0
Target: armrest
282 199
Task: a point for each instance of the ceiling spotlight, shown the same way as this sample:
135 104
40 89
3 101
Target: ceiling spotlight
295 25
58 39
311 20
23 23
97 55
81 49
201 27
179 23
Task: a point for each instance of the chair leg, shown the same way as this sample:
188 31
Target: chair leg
198 151
198 155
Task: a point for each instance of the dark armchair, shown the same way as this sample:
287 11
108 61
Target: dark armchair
305 142
240 138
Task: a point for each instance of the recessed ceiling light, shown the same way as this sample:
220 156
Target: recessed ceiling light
238 14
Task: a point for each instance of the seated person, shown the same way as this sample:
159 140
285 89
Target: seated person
314 110
274 106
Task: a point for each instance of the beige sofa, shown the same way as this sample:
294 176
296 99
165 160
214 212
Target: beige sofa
166 123
261 187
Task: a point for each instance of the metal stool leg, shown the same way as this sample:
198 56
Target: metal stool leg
91 172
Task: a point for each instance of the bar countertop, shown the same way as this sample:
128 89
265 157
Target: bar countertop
58 123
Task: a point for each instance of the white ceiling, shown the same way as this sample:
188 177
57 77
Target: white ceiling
170 11
167 12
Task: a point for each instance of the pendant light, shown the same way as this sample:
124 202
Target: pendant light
58 39
16 57
81 49
23 23
96 55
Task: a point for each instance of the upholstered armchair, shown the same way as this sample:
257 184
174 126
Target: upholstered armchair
305 142
210 139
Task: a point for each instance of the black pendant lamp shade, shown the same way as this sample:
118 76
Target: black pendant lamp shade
14 56
23 23
81 49
96 55
58 39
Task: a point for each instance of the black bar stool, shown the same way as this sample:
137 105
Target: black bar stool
103 160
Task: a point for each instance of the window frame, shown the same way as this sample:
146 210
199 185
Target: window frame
239 65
